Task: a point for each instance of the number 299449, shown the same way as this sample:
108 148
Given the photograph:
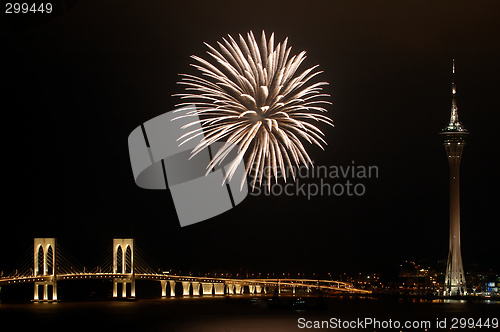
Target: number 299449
28 8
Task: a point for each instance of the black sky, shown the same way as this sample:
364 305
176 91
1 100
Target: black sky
76 84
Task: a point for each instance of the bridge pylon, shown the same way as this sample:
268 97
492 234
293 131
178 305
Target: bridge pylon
44 265
123 265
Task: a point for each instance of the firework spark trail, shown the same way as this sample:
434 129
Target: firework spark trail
253 100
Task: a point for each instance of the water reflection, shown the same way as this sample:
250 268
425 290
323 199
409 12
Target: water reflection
235 313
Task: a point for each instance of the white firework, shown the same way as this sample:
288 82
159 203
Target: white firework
251 98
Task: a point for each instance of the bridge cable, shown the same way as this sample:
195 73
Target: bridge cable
24 265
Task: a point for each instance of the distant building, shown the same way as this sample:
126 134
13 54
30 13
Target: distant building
416 280
484 284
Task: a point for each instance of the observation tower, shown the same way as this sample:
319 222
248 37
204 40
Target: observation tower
454 140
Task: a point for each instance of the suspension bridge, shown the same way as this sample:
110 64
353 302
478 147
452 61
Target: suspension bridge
123 265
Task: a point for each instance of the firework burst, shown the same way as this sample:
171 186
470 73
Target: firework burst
250 97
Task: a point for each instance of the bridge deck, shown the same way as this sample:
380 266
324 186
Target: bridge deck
322 284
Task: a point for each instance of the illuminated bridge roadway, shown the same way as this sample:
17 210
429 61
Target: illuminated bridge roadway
48 268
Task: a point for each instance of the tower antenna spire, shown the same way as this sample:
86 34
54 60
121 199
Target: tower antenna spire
454 124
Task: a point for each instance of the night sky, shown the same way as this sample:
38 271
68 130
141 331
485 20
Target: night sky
76 84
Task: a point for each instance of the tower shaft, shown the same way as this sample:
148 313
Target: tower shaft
455 276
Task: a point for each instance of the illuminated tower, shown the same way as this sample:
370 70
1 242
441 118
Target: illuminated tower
454 140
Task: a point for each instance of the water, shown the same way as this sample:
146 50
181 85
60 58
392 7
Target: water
235 313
